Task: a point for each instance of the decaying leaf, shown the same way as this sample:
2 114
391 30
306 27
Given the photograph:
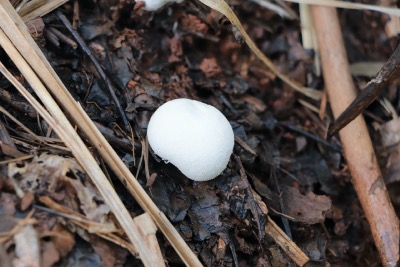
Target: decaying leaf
308 208
205 213
43 173
91 203
49 173
103 248
62 239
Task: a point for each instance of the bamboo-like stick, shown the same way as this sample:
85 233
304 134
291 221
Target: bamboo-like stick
32 5
62 37
39 8
349 5
15 29
290 248
357 146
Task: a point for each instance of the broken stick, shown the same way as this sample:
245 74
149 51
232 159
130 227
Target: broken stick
357 146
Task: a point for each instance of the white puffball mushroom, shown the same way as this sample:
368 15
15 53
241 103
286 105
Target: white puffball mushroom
193 136
154 5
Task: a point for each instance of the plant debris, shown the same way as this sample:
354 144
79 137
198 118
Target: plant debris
282 172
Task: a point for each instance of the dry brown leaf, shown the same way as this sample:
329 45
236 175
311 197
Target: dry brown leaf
7 204
36 28
369 69
26 200
63 240
256 104
46 173
50 254
10 150
103 248
175 46
308 208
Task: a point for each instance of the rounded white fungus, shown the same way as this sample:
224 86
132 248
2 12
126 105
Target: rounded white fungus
193 136
153 5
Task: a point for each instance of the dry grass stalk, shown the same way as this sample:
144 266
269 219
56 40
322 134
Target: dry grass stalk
308 36
290 248
222 7
349 5
82 222
39 8
17 31
26 7
275 8
66 131
57 120
23 127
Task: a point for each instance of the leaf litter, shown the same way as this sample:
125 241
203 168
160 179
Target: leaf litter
195 55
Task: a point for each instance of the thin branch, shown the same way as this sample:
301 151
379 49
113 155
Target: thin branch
357 146
96 64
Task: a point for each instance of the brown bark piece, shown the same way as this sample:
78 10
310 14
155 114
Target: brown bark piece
357 146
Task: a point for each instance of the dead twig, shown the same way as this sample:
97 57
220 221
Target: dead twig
357 146
222 7
290 248
313 137
17 31
258 208
26 7
349 5
76 17
82 222
51 38
96 64
389 72
63 128
39 8
62 37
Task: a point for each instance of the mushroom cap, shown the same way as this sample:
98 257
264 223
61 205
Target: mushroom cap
193 136
153 5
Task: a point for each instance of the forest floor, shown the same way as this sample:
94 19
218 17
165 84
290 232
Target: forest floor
281 160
